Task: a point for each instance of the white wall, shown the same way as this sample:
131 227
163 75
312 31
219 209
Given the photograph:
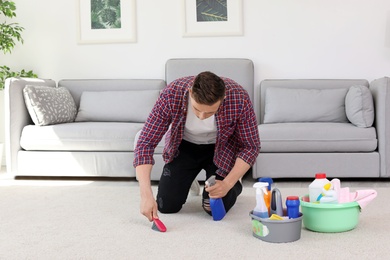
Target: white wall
284 38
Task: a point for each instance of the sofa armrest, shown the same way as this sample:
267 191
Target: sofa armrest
380 89
17 116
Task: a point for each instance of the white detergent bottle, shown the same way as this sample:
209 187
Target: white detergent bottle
261 209
317 186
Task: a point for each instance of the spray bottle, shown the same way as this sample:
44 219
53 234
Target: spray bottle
216 205
261 209
267 197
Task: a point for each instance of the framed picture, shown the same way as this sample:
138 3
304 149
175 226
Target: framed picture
212 18
107 21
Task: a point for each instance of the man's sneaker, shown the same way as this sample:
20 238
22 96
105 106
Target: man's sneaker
195 188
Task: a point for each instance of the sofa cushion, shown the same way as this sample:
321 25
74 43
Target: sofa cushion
304 105
116 106
316 137
81 136
49 105
359 106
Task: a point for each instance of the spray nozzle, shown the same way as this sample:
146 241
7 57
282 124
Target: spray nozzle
261 186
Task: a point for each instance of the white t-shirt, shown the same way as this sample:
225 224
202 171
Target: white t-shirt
199 131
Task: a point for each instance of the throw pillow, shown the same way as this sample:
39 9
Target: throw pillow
49 105
116 106
284 105
359 106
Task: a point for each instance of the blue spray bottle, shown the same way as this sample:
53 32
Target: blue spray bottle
261 209
216 205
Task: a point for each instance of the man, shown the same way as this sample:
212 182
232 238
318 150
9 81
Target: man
211 125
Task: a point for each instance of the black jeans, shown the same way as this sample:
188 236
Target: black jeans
178 175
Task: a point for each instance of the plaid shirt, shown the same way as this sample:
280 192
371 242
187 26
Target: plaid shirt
237 131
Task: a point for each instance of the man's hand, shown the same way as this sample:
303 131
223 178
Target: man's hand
219 190
148 207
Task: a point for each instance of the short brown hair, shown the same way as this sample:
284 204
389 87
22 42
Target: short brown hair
208 88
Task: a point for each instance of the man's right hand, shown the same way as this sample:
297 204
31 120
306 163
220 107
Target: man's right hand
149 207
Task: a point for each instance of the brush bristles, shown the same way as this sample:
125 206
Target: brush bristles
154 227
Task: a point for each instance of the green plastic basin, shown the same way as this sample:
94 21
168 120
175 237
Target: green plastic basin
329 218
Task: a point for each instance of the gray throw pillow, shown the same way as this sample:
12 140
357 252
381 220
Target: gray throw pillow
49 105
359 106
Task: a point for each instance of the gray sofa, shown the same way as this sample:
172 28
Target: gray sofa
289 149
309 126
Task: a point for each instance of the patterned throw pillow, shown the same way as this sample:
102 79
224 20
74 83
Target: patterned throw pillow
48 105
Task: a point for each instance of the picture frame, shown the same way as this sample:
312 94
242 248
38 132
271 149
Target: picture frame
108 23
195 26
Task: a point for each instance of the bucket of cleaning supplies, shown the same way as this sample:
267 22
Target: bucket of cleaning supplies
276 231
329 218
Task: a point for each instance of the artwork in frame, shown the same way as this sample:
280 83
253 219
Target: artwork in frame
212 18
107 21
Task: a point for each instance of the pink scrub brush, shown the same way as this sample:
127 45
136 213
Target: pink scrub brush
158 225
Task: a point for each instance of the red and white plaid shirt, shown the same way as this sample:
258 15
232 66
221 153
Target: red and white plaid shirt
237 131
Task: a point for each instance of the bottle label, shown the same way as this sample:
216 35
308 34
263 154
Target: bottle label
259 229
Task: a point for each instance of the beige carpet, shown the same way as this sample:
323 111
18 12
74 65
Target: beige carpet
101 220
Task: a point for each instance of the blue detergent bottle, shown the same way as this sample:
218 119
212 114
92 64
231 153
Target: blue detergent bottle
292 203
261 209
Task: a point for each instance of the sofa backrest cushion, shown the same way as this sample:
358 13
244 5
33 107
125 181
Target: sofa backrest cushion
49 105
116 106
260 89
78 86
239 70
284 105
359 106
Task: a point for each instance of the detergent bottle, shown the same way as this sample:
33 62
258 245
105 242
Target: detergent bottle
292 203
317 186
261 209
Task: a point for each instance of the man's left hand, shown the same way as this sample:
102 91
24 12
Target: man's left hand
219 190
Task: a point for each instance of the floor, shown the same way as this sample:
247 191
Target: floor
248 181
